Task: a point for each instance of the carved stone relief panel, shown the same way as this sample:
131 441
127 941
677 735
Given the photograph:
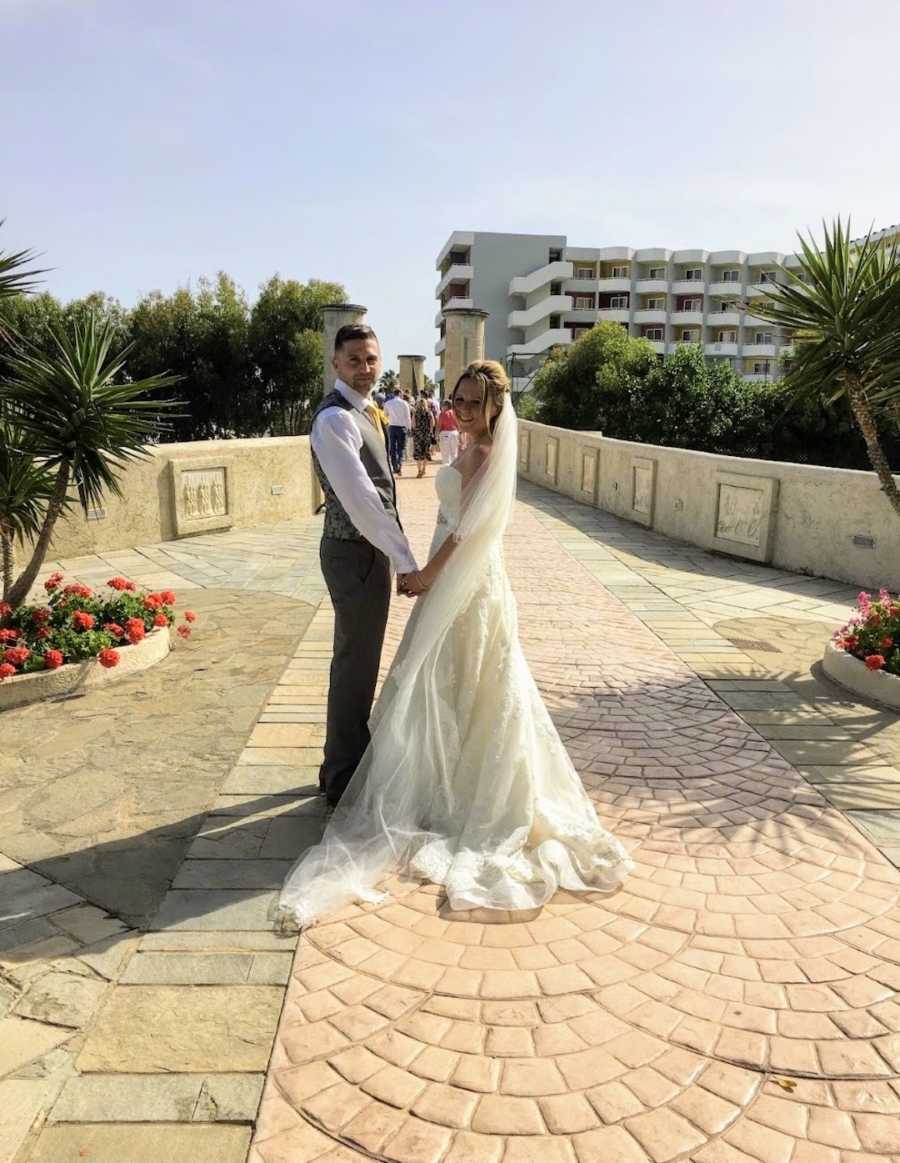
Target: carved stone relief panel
643 489
201 497
524 449
550 458
589 472
745 511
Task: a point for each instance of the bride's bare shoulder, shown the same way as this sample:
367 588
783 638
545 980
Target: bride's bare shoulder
468 464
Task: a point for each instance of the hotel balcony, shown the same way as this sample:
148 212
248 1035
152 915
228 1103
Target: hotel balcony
721 349
724 318
528 316
547 339
755 378
688 287
659 317
440 346
658 346
687 318
467 304
551 273
652 286
574 285
613 315
617 284
455 274
759 350
727 290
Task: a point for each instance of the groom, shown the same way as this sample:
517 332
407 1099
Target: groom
361 541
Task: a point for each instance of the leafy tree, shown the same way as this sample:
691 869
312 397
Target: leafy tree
286 350
72 414
202 338
842 307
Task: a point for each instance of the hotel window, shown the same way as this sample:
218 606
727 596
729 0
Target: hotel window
618 302
690 335
584 272
655 305
654 333
729 305
768 277
691 305
726 337
693 274
555 256
731 276
762 337
656 273
619 273
556 288
584 302
761 368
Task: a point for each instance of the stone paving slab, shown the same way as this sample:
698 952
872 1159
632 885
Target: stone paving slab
142 1143
734 1002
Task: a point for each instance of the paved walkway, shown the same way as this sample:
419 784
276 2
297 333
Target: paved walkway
736 1001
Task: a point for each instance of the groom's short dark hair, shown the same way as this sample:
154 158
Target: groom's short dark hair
351 331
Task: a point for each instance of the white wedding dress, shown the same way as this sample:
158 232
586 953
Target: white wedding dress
466 782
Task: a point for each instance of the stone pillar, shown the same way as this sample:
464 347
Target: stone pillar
464 342
335 316
412 373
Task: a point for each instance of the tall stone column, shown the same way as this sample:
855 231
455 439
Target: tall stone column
335 316
464 342
412 373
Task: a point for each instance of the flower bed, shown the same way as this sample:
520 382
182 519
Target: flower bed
79 634
864 655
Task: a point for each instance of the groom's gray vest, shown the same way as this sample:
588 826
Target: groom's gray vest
373 455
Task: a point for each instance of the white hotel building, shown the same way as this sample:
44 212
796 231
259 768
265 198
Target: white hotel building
540 292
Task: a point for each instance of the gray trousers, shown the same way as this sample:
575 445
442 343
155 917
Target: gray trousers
358 577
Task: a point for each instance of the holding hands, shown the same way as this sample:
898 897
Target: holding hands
412 585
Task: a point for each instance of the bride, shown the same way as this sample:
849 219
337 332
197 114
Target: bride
466 782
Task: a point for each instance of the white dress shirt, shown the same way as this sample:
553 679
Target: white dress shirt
336 441
398 413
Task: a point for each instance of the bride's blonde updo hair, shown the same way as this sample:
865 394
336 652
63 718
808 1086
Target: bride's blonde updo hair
491 377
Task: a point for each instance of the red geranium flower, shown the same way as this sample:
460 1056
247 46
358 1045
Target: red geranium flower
168 597
887 641
6 671
41 616
17 655
875 661
77 590
114 628
120 583
851 643
52 582
42 632
108 658
190 616
83 621
184 631
9 635
152 602
161 620
135 630
53 659
5 608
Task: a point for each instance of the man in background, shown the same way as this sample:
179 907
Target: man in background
399 419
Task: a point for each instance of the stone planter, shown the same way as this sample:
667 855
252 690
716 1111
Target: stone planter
79 676
853 674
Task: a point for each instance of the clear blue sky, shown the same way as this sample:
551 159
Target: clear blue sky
147 143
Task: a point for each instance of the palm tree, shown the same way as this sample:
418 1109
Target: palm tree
80 422
25 491
389 381
14 279
842 308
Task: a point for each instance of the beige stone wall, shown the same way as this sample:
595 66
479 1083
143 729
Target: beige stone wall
146 512
829 522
